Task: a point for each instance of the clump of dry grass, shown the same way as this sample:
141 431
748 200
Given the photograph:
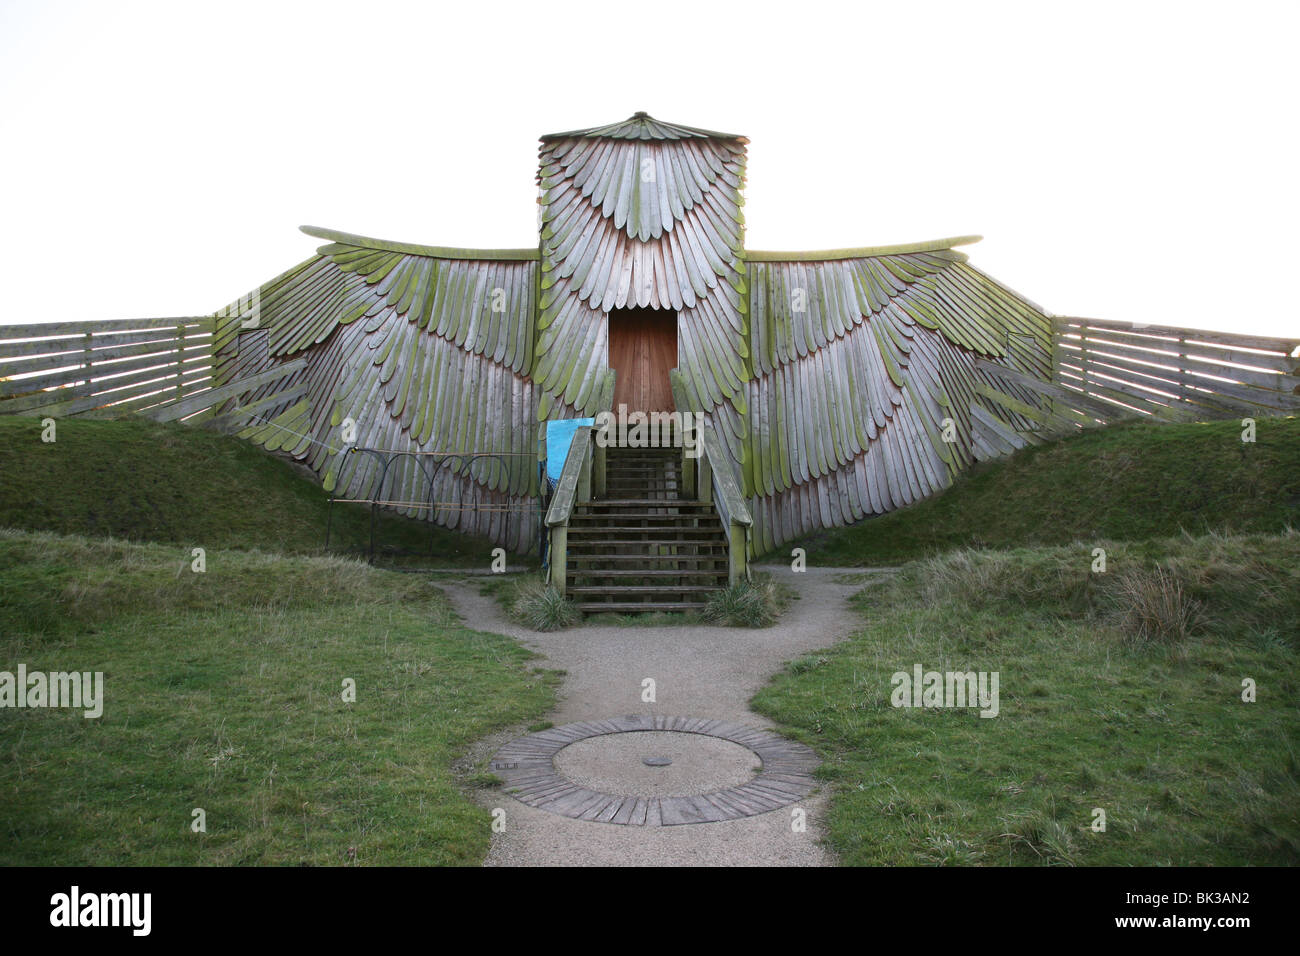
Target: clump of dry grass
1154 607
755 603
541 607
1051 842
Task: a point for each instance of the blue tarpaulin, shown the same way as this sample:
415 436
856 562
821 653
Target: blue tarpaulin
559 436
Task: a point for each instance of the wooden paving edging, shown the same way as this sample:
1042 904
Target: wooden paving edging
527 770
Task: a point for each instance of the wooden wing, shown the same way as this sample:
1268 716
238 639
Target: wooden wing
869 369
401 349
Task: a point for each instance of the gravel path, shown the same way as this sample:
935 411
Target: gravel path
708 672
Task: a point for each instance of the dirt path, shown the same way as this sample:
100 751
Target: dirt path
708 672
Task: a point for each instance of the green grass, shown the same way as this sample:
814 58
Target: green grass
1124 482
1096 710
142 481
224 692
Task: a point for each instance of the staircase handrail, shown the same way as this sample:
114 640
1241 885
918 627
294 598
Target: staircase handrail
567 488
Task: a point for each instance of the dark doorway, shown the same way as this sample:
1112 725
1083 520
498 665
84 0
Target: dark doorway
642 349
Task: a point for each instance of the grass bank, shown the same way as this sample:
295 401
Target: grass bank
139 480
1126 482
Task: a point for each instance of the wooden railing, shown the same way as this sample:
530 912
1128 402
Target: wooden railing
1172 373
715 481
103 369
1104 372
159 368
573 488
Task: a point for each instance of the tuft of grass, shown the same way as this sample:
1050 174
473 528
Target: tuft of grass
945 850
540 607
1050 841
1126 482
753 603
1154 607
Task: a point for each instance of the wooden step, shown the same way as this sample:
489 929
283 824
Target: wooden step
644 589
662 534
666 510
643 481
642 572
661 520
649 606
667 492
657 502
594 534
652 558
664 494
592 539
578 548
645 506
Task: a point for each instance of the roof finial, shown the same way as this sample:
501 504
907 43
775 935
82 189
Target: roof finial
640 114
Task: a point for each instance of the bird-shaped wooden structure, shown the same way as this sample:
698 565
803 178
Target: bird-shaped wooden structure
838 384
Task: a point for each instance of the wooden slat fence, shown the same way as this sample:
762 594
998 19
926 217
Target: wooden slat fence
1105 372
103 369
1176 374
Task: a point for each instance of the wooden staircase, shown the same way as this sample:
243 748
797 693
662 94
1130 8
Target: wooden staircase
642 547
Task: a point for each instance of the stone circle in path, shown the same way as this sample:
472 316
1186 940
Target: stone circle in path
615 763
733 771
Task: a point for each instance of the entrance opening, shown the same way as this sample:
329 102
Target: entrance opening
642 350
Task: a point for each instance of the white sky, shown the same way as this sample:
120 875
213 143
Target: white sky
1132 161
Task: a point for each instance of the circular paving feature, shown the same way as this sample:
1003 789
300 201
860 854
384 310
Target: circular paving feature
613 771
628 764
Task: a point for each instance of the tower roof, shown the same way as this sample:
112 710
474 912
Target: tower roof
645 127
